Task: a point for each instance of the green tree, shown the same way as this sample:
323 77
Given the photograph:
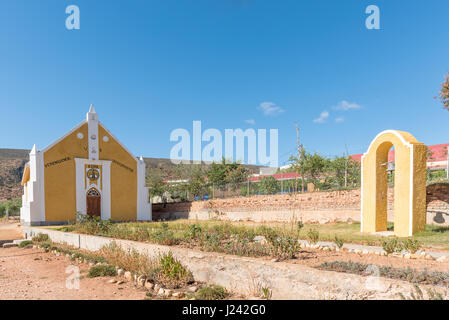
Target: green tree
156 183
315 167
342 169
444 93
217 173
233 173
269 185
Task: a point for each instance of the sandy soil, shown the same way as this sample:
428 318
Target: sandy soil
32 274
314 258
10 231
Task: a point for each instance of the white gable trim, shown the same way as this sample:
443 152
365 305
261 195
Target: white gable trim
118 141
63 137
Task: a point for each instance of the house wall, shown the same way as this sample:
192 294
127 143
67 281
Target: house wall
60 175
123 177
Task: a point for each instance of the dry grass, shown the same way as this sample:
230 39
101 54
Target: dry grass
129 260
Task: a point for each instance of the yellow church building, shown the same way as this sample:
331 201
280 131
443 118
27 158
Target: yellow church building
86 171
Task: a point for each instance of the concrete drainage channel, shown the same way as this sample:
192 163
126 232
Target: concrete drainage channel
249 275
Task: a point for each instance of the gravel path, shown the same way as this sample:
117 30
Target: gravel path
32 274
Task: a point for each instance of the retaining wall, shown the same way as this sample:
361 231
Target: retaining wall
313 207
248 275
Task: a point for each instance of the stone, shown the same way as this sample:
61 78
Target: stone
168 292
128 276
149 285
10 245
120 282
408 256
112 281
141 281
259 239
120 272
193 289
178 295
414 256
442 259
365 251
161 292
156 287
429 257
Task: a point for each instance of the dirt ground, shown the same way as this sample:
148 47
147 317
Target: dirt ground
10 230
314 258
32 274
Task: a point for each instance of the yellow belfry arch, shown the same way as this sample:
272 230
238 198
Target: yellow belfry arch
409 184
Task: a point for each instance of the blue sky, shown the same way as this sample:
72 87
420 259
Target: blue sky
150 67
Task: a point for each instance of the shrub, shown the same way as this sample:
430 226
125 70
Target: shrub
284 247
266 293
130 260
45 245
243 247
192 232
313 235
432 294
338 242
407 274
299 226
268 233
172 272
102 271
211 293
391 245
411 245
92 225
25 243
41 237
212 241
164 236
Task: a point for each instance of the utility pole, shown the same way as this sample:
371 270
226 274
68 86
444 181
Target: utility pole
299 156
346 165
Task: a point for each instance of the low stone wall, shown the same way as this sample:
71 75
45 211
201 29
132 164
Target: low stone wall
248 275
314 207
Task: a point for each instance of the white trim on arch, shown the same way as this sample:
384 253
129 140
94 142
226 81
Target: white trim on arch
395 132
411 192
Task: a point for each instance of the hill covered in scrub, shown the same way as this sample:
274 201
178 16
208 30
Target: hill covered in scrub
12 162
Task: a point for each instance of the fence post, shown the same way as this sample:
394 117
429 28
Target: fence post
7 214
247 187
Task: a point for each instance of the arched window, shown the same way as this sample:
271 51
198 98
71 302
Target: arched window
93 193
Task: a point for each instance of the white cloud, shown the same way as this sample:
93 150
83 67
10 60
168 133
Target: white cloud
345 106
270 108
339 119
250 121
323 116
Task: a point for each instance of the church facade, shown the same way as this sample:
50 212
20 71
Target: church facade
87 171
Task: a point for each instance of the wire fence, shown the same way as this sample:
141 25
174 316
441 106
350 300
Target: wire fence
182 192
